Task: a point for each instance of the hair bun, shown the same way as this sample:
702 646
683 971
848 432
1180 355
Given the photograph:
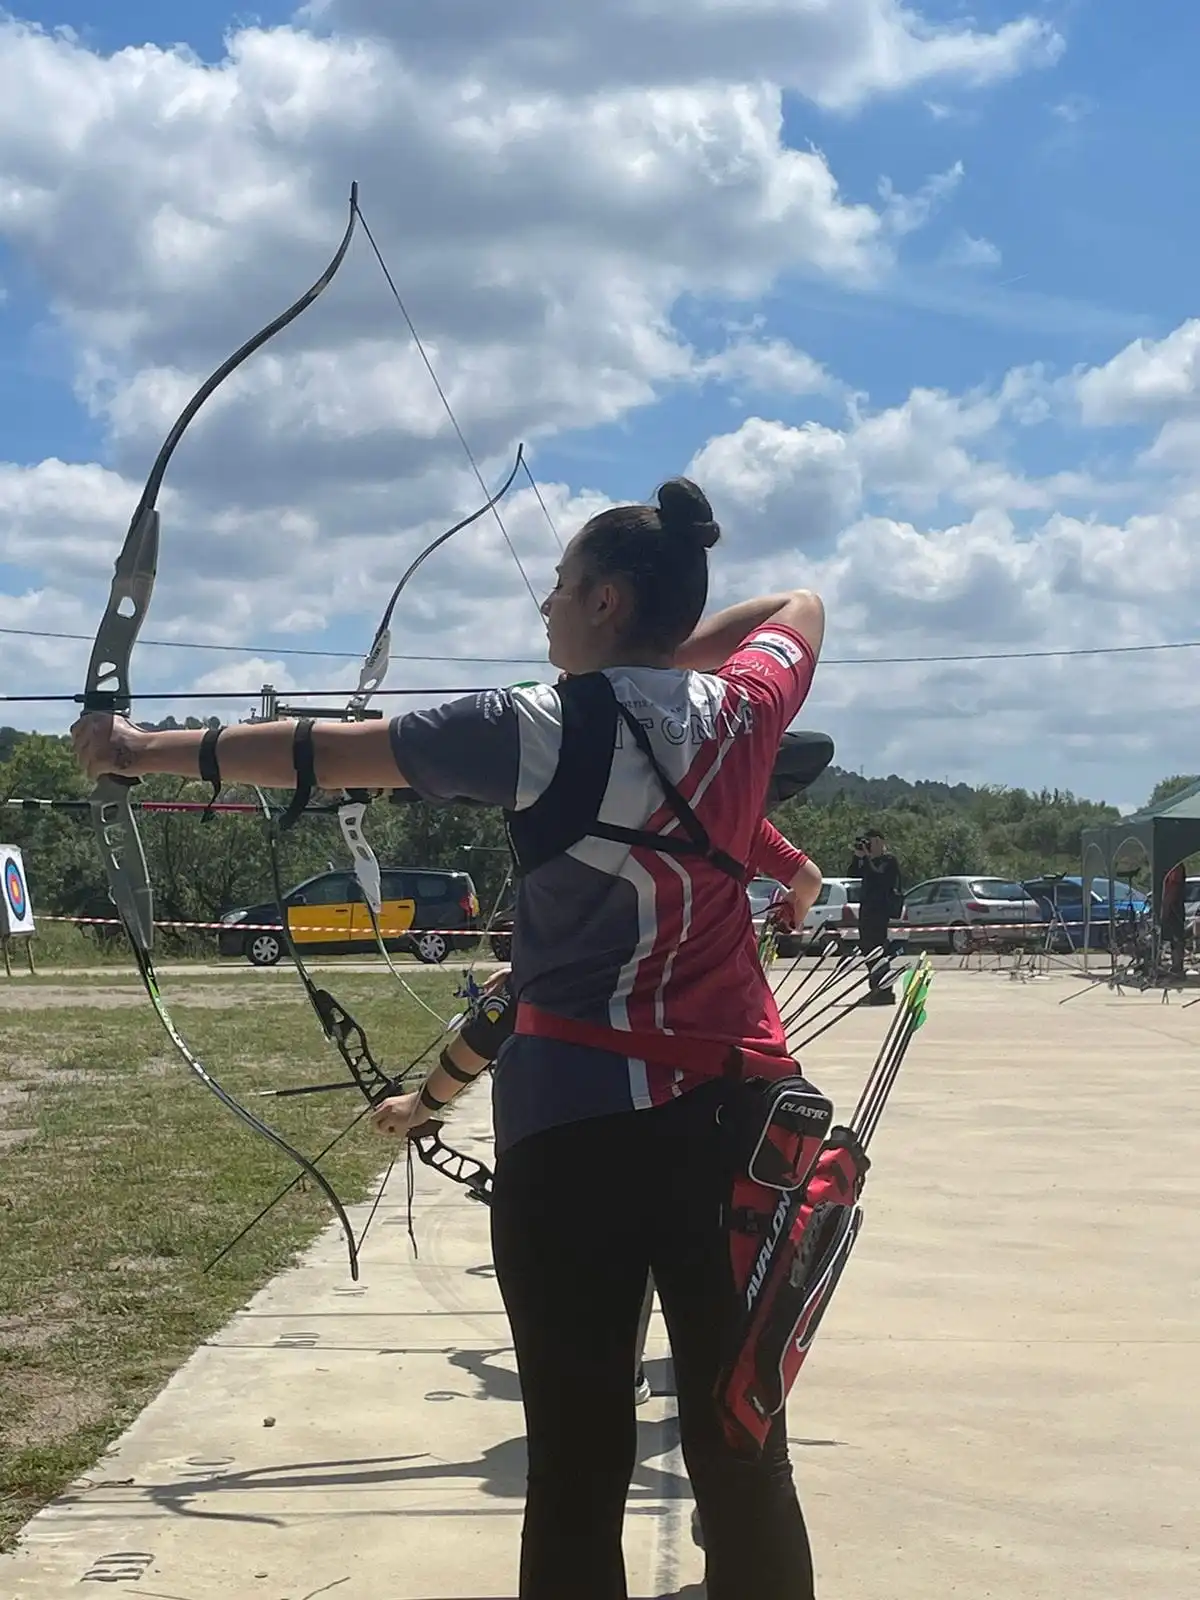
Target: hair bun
683 510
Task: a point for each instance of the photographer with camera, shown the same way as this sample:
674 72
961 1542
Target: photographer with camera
881 899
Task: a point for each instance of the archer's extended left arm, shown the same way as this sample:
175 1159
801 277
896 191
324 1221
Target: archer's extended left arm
356 755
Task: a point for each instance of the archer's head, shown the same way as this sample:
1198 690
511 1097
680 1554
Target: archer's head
632 583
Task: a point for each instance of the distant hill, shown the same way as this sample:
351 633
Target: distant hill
936 828
882 793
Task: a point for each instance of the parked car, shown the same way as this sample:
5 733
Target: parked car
1061 899
951 908
428 914
501 936
832 919
762 893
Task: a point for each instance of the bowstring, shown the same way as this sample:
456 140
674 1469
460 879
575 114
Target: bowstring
533 484
449 409
499 520
445 1029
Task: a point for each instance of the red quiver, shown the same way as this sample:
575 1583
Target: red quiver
788 1250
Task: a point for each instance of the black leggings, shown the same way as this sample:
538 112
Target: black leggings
873 930
580 1214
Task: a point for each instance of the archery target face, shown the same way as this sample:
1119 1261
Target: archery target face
14 901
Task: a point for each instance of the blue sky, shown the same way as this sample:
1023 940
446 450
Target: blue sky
1079 176
1039 223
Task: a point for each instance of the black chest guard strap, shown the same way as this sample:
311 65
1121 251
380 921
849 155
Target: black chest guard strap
697 842
567 810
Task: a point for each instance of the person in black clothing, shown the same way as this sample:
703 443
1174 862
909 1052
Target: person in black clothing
881 900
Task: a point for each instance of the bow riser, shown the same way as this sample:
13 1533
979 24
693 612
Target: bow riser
107 685
374 671
107 688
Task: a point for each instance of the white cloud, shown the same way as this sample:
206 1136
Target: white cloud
916 456
1034 565
767 366
906 213
550 196
796 486
838 53
971 252
1073 108
542 241
1177 446
1145 380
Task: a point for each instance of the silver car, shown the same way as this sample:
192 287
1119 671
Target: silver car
941 913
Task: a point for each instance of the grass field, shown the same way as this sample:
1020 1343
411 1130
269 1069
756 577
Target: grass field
121 1176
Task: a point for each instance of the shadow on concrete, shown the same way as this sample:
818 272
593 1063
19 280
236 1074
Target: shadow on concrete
499 1471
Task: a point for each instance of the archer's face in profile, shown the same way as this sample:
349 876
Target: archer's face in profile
583 614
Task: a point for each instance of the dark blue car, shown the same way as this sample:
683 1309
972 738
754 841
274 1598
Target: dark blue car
1061 900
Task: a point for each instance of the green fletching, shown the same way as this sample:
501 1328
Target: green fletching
916 983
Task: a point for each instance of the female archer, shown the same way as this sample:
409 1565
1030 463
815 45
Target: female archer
633 794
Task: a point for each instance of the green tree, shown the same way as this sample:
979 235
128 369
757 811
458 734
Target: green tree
1166 787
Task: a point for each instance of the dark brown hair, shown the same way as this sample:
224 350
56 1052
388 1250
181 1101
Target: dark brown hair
661 553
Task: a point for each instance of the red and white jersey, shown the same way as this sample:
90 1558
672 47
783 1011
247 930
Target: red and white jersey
618 936
774 857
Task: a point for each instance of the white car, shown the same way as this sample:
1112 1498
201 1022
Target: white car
833 919
762 894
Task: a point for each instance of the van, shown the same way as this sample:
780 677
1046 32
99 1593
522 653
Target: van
426 914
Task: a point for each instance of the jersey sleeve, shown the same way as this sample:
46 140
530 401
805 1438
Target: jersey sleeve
467 749
499 747
773 857
774 667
